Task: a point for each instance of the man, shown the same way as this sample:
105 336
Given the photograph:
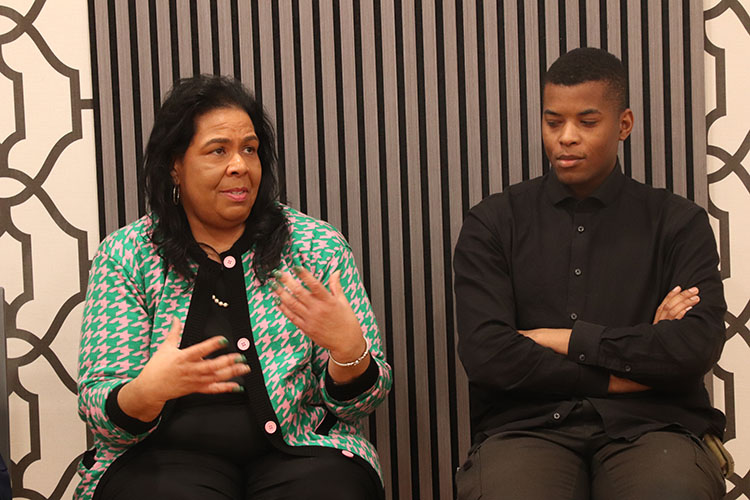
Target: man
589 310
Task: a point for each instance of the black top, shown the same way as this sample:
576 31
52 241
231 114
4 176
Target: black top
535 257
220 424
212 414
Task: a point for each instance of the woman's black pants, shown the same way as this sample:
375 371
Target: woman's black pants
187 475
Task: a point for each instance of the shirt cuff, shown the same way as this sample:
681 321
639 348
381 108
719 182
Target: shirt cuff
583 346
352 389
122 419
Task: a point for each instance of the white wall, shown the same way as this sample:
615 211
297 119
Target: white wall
728 124
48 229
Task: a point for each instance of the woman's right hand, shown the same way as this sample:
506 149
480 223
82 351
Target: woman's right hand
173 372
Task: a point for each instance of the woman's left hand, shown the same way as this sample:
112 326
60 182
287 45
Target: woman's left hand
326 317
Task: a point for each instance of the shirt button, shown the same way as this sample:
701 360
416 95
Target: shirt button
556 416
243 344
229 262
578 271
627 368
581 357
270 427
581 229
347 453
573 316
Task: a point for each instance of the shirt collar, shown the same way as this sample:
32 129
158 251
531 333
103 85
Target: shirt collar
607 193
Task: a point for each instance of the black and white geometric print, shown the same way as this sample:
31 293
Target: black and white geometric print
727 42
48 224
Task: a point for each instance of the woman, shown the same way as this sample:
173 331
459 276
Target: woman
228 346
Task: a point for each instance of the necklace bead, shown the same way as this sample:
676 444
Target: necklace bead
218 302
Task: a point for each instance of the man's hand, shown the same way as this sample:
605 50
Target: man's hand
676 304
619 385
556 339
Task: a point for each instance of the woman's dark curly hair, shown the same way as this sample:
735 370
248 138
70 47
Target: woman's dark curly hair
174 127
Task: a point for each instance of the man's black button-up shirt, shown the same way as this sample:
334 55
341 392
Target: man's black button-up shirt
536 257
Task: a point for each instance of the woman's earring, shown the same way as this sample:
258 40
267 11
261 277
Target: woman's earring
176 194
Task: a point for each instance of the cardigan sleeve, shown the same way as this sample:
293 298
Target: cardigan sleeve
115 341
355 400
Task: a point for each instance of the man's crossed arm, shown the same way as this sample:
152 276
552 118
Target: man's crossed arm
674 307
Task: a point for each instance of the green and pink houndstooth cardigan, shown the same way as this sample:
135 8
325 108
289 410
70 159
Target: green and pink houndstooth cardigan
129 305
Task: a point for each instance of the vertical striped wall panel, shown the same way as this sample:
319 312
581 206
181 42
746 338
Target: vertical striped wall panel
394 117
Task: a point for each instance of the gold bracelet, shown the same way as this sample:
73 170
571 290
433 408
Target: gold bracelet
356 361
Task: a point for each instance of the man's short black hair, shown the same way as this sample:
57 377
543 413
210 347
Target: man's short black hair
588 64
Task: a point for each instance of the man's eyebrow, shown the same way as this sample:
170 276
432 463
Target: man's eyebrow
590 111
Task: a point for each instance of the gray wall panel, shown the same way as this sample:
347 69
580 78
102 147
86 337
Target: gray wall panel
181 10
224 42
593 24
145 72
572 25
533 75
163 50
636 155
492 129
695 102
656 96
127 109
676 96
205 40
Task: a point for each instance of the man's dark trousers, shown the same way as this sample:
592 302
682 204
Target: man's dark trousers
578 461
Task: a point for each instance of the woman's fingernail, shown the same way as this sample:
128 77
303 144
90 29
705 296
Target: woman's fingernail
298 269
240 359
276 274
676 289
238 388
694 298
693 290
273 285
223 341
